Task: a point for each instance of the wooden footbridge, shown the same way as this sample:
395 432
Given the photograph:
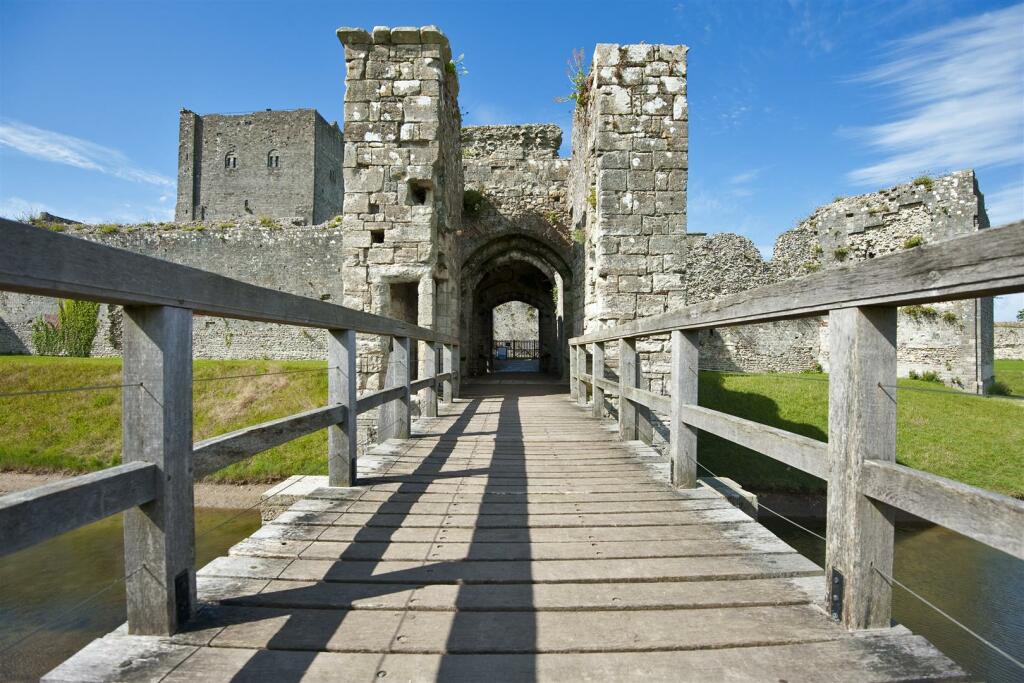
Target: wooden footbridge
516 533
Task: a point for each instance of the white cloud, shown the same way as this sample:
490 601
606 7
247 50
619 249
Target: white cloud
1005 204
745 177
1006 307
957 94
58 148
17 208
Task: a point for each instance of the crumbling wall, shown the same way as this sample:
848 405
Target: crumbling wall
1009 341
951 339
298 259
515 320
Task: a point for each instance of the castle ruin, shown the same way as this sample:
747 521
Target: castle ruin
406 213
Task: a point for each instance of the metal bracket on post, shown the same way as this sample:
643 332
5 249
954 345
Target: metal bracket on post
835 594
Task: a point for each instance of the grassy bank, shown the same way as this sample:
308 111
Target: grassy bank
976 440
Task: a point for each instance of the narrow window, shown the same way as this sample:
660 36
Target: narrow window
374 208
230 160
273 159
377 237
419 193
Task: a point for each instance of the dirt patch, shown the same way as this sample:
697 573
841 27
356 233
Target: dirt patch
226 496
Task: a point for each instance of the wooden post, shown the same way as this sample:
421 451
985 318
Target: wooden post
341 390
597 349
573 373
861 426
456 370
683 390
394 421
581 369
159 537
446 366
627 378
429 395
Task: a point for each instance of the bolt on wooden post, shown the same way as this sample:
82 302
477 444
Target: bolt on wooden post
159 537
395 419
341 390
861 426
683 390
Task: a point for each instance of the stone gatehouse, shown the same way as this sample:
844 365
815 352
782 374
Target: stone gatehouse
439 224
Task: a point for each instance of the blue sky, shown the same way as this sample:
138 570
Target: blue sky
791 103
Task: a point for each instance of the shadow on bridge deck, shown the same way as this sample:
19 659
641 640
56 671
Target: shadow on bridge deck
514 537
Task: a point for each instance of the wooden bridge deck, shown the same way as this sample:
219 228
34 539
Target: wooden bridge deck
513 538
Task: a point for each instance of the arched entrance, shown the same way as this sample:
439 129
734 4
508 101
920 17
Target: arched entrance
514 268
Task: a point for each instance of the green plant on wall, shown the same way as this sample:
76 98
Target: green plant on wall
578 236
457 67
70 333
579 76
592 198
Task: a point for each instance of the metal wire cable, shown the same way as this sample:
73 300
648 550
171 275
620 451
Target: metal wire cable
97 387
65 613
889 579
894 582
262 374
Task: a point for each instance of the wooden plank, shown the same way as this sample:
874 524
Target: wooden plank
627 381
37 514
159 537
647 399
888 657
607 386
581 368
221 451
597 351
394 420
861 427
805 454
990 518
378 398
420 384
683 392
342 384
984 263
38 261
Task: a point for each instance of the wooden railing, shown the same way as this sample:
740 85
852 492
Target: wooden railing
154 485
859 460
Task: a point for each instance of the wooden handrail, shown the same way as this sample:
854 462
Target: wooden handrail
984 263
38 261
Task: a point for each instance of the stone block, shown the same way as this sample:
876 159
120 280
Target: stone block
625 264
403 88
641 161
620 225
612 180
381 35
632 75
349 35
641 180
670 160
432 35
606 54
420 108
621 306
606 75
364 179
638 54
670 202
679 108
379 255
634 284
615 100
633 244
618 159
673 85
669 282
407 35
609 141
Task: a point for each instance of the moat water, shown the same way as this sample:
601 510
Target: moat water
44 587
980 587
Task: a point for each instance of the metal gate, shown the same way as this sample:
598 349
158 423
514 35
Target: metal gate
516 349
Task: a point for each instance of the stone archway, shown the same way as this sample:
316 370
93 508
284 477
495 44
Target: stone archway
514 268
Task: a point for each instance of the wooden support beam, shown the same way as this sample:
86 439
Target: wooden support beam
212 455
159 537
990 518
573 373
394 421
421 384
628 374
38 514
446 371
597 350
800 452
342 436
429 395
378 398
581 369
861 427
683 390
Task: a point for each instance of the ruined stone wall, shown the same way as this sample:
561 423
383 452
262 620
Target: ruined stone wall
950 339
300 260
403 184
1009 341
515 320
258 164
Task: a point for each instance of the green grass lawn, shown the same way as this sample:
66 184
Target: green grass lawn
1011 374
979 441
